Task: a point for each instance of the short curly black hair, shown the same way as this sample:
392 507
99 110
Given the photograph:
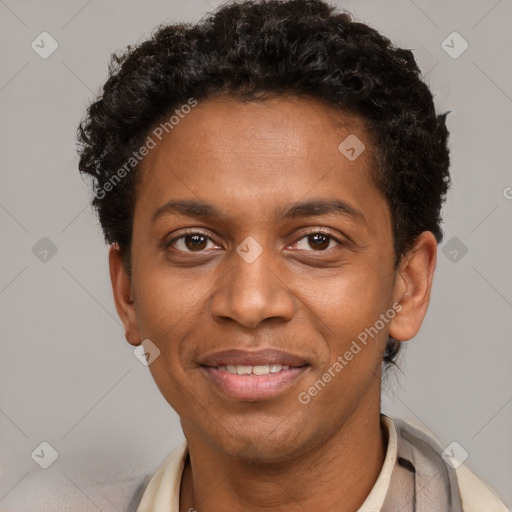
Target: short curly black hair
253 50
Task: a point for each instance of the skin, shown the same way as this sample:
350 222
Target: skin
310 299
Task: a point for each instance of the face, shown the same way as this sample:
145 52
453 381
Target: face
260 254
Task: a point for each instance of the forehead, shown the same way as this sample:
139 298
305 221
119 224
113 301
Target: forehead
267 152
287 126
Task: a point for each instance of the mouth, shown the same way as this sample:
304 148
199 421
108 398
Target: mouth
261 369
253 376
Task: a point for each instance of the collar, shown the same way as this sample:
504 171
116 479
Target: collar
375 500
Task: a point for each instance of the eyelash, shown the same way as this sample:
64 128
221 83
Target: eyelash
304 235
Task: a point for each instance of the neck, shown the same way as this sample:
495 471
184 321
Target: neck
336 475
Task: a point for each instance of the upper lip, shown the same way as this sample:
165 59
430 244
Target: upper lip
252 358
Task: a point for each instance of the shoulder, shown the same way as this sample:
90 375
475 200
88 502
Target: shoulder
476 495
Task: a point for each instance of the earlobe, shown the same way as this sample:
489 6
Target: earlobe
413 286
123 295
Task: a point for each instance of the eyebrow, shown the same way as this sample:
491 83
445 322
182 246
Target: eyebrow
312 208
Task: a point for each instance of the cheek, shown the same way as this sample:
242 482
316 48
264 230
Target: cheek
169 303
347 311
348 300
170 309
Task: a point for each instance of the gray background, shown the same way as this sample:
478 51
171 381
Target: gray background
67 375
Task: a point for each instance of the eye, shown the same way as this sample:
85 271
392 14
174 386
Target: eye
193 241
318 241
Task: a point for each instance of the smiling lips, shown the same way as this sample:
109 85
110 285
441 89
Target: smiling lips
251 376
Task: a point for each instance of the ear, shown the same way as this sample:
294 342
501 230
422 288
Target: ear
412 287
123 296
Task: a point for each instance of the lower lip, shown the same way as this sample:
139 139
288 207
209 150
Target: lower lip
253 387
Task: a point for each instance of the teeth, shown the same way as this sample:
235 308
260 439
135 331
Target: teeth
243 370
275 368
263 369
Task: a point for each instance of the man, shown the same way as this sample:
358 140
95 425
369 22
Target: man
270 181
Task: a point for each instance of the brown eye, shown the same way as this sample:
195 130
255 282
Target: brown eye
319 241
192 242
196 242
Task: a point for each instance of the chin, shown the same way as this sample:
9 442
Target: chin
263 445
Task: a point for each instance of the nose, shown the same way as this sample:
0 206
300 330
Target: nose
252 292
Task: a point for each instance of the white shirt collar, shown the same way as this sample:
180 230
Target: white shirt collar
375 500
